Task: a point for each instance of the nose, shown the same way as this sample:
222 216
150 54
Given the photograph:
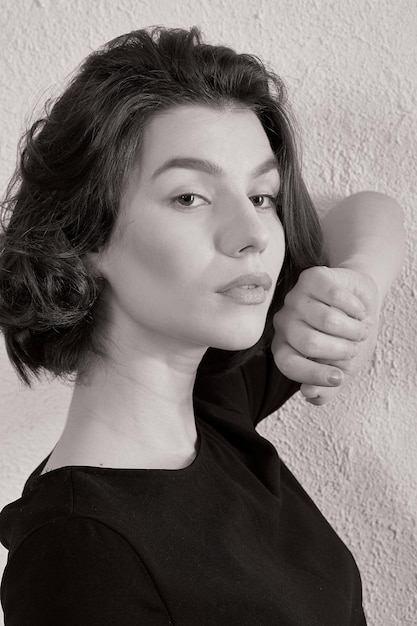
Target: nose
242 229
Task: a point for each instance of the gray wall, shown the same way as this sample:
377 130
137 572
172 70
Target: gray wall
351 68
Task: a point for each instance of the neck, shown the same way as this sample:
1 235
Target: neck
135 409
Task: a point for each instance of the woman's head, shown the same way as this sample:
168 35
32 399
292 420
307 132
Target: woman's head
198 245
75 164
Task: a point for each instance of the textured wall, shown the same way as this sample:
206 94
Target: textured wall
351 67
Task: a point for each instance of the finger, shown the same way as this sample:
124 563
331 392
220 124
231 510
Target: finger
332 321
349 367
344 300
296 367
319 395
314 344
322 283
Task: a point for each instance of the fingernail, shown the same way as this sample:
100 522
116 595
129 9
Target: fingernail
361 315
335 378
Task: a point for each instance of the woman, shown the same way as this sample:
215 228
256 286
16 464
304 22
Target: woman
159 220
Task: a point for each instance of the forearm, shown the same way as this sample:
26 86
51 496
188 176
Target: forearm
329 320
365 233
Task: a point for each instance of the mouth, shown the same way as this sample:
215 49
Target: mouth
248 288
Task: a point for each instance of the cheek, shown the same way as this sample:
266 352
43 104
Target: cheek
163 253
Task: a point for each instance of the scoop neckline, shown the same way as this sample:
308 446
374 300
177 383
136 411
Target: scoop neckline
37 474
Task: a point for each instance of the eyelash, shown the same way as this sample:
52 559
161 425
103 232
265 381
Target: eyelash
189 195
273 200
176 200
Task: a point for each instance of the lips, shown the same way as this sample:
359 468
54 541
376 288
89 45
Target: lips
248 288
260 279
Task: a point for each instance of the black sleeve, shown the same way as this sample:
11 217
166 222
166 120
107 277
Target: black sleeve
267 388
257 387
79 571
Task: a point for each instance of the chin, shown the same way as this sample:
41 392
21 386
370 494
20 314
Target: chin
237 340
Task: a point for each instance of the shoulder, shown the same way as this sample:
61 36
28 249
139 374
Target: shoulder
78 570
75 503
73 540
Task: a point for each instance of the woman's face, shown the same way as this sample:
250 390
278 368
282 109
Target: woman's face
197 214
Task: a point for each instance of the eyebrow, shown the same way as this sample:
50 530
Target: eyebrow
208 167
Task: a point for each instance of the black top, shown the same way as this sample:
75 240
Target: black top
232 539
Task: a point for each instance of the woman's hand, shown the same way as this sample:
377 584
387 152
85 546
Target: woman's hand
326 331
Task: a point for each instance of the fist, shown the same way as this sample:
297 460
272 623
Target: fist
326 330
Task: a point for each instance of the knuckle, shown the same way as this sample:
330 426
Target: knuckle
307 277
282 365
275 345
311 271
279 334
280 349
316 272
292 361
310 345
290 297
304 273
276 320
335 293
328 322
288 365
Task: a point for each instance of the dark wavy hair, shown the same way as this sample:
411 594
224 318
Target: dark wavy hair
64 197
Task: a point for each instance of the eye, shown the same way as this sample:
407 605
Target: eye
190 201
263 201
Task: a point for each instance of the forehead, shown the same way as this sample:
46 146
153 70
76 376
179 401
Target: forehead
229 137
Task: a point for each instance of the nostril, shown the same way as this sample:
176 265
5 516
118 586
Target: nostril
256 245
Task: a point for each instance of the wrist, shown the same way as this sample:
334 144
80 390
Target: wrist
377 284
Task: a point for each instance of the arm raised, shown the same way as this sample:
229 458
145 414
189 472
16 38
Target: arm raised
365 233
326 331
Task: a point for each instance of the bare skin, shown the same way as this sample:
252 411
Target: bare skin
135 410
184 231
